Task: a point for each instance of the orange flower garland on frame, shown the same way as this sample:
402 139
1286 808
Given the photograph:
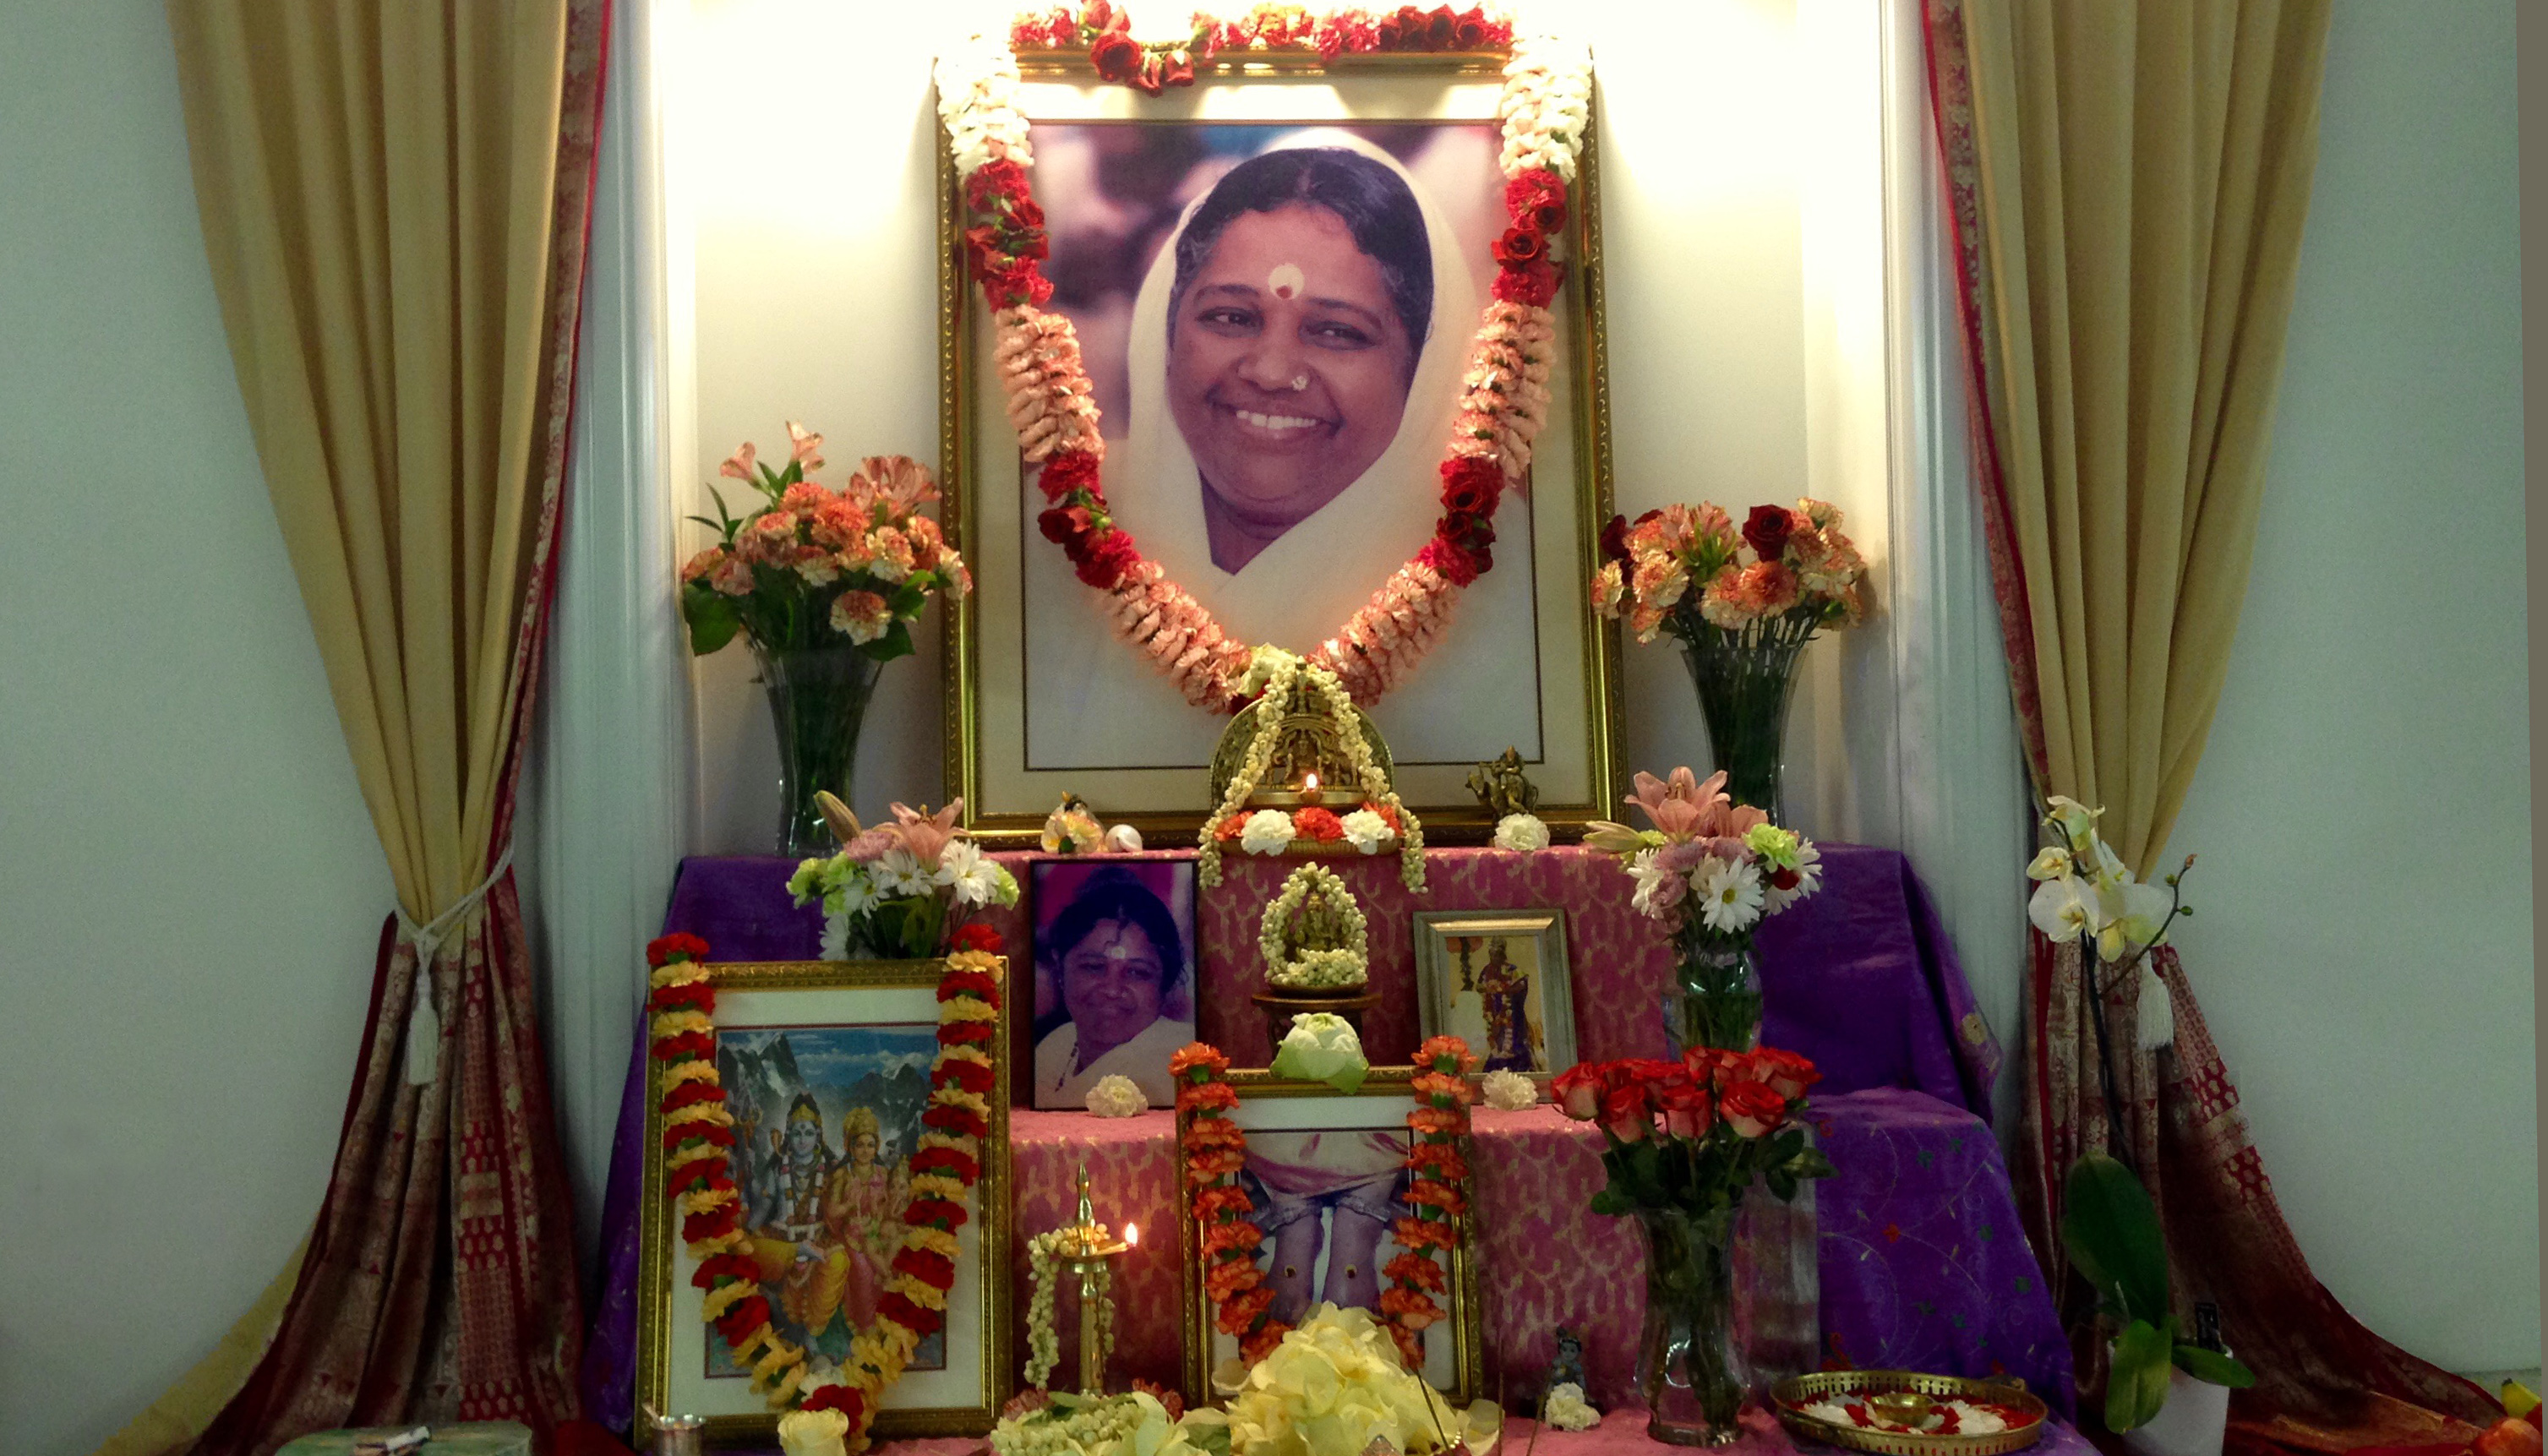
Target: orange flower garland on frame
1215 1148
1437 1167
699 1129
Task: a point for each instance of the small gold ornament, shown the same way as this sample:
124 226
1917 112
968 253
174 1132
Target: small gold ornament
1502 787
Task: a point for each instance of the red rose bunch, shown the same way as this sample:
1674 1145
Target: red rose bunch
1215 1149
1656 1118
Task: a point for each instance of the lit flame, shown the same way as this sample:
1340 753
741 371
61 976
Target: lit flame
1309 781
1132 1234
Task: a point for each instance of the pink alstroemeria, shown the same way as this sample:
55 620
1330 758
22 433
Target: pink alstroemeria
1677 805
739 464
900 482
806 446
926 835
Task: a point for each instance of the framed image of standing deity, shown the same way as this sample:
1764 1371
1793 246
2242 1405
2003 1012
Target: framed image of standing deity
1277 292
1326 1180
825 1067
1498 981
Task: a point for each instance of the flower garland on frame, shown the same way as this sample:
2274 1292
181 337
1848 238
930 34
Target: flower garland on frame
1436 1166
1043 1340
1215 1150
1284 683
1543 110
699 1129
1334 937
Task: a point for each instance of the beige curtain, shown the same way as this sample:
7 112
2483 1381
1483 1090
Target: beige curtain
393 198
2144 173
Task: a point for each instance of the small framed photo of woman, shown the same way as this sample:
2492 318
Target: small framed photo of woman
1497 981
1276 289
1326 1179
826 1070
1114 974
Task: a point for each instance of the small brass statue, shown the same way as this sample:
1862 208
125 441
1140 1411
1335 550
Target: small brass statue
1503 787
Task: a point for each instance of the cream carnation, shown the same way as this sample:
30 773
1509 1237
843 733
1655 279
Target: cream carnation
1266 831
1521 833
1365 830
1117 1096
1510 1091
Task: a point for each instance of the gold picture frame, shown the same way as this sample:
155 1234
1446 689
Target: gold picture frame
1580 710
1272 1104
1549 999
979 1364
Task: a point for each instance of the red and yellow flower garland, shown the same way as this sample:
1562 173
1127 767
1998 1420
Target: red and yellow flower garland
1215 1150
699 1129
1437 1170
1050 404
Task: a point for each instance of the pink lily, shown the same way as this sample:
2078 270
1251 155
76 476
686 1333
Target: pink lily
899 481
807 446
739 464
925 834
1677 805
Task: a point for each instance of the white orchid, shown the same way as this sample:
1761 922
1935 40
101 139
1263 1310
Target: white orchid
2061 909
2076 821
2052 862
2129 915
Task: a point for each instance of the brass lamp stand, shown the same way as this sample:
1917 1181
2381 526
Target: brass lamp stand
1089 1251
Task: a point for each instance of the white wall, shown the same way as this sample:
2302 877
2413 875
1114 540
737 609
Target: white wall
190 889
2363 950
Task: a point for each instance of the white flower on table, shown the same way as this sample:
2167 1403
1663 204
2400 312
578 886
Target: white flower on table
1117 1096
1521 833
1266 831
1510 1091
1729 893
1365 830
1567 1410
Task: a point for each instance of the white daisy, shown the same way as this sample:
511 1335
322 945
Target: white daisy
1729 893
1809 879
973 875
899 873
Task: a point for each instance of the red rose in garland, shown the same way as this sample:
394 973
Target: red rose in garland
1116 57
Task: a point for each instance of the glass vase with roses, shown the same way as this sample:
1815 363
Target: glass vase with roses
1682 1143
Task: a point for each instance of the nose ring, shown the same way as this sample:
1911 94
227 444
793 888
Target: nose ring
1300 382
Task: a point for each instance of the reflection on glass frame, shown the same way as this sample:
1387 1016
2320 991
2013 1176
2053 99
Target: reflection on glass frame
1497 981
826 1070
1042 697
1115 962
1327 1172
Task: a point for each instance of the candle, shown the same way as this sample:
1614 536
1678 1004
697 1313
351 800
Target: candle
1132 1234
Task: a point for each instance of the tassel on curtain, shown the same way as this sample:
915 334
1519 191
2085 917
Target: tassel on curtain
394 200
2127 186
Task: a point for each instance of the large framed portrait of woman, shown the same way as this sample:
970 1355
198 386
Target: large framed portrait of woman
826 1071
1276 278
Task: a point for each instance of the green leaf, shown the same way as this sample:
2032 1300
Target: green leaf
896 642
2213 1366
2136 1377
713 618
1782 1183
1810 1163
1610 1202
2113 1235
911 595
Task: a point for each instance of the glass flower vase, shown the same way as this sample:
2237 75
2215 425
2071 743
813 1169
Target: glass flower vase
818 702
1746 680
1715 996
1690 1368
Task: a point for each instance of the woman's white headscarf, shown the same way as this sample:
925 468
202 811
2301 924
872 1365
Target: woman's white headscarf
1297 590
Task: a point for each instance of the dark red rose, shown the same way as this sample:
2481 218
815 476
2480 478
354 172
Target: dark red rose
1063 524
1147 80
1450 561
1180 70
1537 199
1767 529
1530 283
1469 33
1068 471
1440 26
1025 212
1105 559
1388 34
1614 541
1520 247
1102 16
1471 485
1116 57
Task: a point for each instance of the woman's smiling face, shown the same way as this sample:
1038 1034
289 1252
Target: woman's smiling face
1287 365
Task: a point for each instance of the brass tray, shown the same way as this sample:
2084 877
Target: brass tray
1789 1394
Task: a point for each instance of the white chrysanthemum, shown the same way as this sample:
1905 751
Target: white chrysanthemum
973 876
899 873
1510 1091
1809 879
1117 1096
1729 894
1266 831
1366 831
1654 897
1521 833
1567 1410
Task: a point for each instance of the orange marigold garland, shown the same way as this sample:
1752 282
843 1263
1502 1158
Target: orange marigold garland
699 1129
1215 1148
1436 1166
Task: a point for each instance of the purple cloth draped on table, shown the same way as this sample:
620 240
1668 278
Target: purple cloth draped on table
1921 1262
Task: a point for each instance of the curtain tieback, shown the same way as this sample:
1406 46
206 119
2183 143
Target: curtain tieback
423 1025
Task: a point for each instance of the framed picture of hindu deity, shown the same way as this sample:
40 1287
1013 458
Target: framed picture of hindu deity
1307 353
1328 1184
826 1071
1497 981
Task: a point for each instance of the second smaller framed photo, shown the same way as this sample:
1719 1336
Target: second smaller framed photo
1114 974
1497 979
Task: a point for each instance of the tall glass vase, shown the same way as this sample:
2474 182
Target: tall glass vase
1715 996
1746 679
1689 1369
818 702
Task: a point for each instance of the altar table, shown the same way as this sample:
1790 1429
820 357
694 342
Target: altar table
1921 1260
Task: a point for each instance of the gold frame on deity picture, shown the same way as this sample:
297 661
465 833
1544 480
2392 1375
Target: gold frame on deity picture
1554 984
1546 671
1271 1104
873 1012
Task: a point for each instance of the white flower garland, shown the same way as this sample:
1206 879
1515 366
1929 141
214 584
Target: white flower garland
1328 915
1286 681
1044 1342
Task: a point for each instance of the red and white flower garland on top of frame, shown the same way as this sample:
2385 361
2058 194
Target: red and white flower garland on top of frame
1544 108
699 1129
1215 1150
